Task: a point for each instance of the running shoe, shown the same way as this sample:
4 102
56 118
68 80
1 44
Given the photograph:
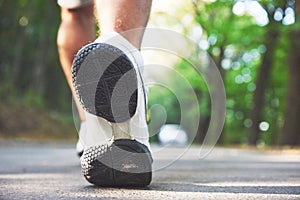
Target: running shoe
106 85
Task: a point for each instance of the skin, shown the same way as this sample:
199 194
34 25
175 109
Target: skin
77 28
124 15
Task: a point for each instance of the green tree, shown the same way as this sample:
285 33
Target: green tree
290 131
271 37
231 38
29 66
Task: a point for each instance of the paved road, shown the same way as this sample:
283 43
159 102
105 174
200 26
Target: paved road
52 171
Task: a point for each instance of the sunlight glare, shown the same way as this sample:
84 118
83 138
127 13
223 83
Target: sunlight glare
254 9
239 8
278 15
289 17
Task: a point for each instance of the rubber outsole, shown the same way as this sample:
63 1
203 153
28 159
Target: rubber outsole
123 163
105 82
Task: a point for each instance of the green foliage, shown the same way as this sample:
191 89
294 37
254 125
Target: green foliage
237 45
30 71
32 85
28 31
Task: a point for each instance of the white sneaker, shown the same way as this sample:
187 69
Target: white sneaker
106 80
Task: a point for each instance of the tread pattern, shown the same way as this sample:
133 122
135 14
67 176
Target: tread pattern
125 163
105 82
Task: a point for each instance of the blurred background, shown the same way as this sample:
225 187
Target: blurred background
254 44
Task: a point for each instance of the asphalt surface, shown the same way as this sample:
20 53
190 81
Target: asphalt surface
52 171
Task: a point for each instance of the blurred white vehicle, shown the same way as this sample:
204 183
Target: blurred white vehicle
172 134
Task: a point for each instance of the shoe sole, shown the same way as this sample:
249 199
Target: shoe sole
114 95
124 163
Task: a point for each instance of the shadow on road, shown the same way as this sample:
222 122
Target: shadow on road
227 189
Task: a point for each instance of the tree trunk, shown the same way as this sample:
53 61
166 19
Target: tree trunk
290 132
38 71
18 55
262 81
222 72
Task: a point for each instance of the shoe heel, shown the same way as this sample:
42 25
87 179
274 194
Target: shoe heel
124 163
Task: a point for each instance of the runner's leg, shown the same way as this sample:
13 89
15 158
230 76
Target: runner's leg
75 31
